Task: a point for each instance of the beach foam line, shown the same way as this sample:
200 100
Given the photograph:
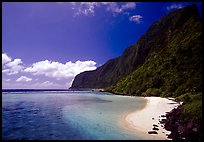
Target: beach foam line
141 121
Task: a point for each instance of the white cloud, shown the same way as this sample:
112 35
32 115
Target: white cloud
174 6
8 80
128 5
23 79
47 83
5 71
32 85
15 62
58 70
65 72
136 18
13 67
88 8
84 8
5 59
114 7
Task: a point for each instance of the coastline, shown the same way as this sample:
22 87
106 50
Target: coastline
141 121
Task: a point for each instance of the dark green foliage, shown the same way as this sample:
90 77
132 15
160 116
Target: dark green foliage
186 120
153 92
192 109
174 68
184 98
166 61
167 57
113 70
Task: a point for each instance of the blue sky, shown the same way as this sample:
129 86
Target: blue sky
45 45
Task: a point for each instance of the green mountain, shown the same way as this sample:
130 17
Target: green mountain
166 57
173 67
166 61
114 69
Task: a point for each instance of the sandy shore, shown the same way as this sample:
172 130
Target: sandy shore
141 121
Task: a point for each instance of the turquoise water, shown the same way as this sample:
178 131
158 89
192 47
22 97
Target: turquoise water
66 115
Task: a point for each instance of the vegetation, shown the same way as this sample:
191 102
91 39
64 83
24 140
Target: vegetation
174 69
193 107
166 61
153 92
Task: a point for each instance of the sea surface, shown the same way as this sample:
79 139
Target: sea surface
66 115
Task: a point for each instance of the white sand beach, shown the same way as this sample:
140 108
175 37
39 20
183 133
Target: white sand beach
141 121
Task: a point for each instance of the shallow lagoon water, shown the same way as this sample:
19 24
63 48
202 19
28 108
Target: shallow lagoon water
66 115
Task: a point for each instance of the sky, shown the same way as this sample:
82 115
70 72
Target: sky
46 44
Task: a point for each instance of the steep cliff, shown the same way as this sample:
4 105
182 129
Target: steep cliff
113 70
166 61
173 70
175 67
157 37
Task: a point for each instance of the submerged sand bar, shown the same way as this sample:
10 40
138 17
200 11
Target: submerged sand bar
141 121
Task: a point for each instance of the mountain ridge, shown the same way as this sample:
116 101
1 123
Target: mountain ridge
133 56
176 67
166 62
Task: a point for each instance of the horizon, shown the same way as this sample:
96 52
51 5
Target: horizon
33 89
40 41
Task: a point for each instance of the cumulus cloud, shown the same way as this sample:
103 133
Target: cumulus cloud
5 59
23 79
136 18
88 8
51 69
15 62
58 70
174 6
11 67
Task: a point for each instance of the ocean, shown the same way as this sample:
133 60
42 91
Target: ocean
66 115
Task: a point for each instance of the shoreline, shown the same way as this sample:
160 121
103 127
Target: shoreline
141 121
